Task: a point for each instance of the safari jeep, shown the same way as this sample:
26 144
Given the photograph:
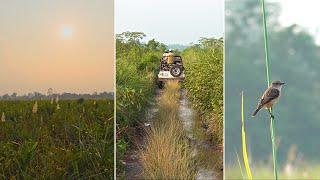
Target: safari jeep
174 71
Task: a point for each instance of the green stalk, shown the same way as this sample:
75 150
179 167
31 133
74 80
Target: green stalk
272 122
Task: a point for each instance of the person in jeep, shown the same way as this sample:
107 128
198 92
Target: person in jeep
165 53
170 56
164 58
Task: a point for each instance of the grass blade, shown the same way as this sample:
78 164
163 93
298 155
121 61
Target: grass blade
240 166
244 144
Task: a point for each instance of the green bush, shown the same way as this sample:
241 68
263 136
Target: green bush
137 66
204 83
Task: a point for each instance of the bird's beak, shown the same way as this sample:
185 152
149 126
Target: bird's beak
283 83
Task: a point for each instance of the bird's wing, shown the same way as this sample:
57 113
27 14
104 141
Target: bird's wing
269 95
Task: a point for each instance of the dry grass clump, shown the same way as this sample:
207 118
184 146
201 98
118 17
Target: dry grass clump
167 154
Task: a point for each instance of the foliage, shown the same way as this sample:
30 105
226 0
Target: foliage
204 83
137 64
73 142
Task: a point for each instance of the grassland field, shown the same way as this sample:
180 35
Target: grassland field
68 139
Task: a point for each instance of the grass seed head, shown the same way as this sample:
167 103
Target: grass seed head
35 107
3 117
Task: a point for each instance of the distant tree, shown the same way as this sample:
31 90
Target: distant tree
211 42
6 96
37 94
14 95
50 92
80 100
154 45
131 37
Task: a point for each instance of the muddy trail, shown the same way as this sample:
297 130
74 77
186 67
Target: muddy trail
208 157
133 167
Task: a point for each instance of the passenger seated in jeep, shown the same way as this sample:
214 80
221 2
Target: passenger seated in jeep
170 56
165 53
164 57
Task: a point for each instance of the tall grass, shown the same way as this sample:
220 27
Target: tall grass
136 68
309 172
204 83
272 122
167 154
74 142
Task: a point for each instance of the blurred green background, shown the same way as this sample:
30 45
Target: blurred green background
294 59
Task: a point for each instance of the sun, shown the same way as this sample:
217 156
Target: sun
66 31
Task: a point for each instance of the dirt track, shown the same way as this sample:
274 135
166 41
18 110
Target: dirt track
204 152
133 167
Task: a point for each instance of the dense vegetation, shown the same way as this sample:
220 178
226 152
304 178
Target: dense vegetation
204 83
137 64
294 60
137 67
67 139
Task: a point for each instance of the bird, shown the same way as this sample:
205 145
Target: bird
269 97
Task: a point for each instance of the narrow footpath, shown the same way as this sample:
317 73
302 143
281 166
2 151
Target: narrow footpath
206 157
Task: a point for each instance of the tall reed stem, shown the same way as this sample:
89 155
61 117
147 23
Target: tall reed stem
244 141
272 122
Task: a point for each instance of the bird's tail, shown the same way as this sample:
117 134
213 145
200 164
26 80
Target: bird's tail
256 111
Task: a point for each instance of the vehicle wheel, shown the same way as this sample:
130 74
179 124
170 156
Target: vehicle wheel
160 84
176 71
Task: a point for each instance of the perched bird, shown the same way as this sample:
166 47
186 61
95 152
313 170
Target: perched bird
269 97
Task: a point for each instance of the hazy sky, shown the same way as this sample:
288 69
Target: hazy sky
171 21
65 45
304 13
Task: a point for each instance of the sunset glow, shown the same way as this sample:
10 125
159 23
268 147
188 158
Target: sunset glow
64 45
66 31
